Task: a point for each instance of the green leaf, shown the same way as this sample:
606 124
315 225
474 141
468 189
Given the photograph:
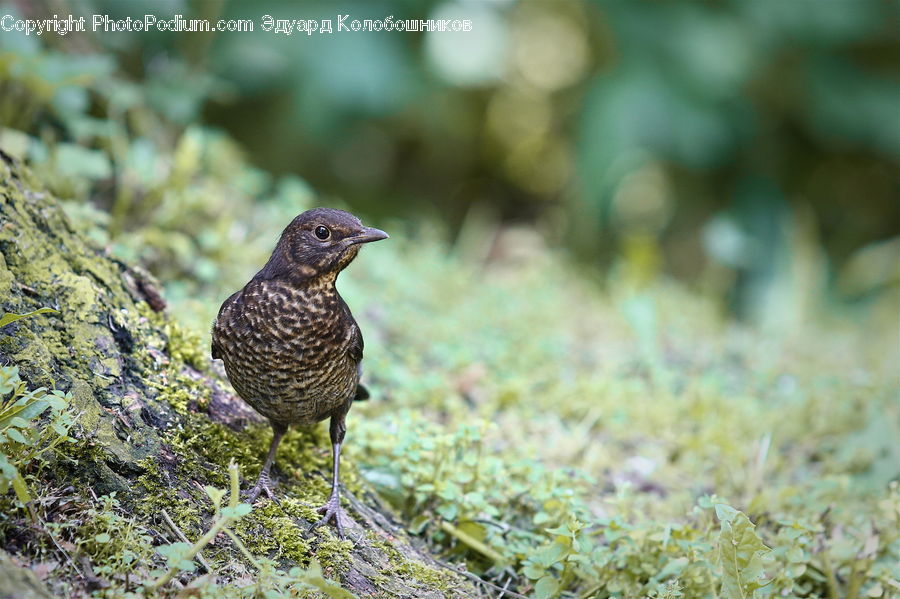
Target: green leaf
9 378
215 495
21 489
726 513
56 401
187 565
9 317
546 587
541 518
419 523
448 511
16 436
25 408
534 571
77 161
559 530
238 511
741 554
173 550
672 568
313 577
103 538
549 555
176 555
7 473
18 422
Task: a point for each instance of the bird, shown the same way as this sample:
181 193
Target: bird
290 345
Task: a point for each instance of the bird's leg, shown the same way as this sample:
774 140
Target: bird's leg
263 482
332 509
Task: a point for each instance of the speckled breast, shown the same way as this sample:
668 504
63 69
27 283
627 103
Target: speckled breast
285 350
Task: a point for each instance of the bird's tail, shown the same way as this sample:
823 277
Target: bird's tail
362 393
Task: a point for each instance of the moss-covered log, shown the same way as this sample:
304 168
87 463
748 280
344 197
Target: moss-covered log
155 424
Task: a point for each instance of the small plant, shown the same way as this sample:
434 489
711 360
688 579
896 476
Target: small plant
25 435
117 544
180 556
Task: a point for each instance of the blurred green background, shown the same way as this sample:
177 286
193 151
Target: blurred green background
748 148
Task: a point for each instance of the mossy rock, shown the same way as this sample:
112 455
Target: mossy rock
156 421
17 582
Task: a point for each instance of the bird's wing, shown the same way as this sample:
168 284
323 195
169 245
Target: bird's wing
355 341
355 351
227 306
356 344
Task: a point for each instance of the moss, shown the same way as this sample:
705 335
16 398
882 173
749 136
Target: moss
430 577
401 566
20 582
184 393
152 475
6 277
334 555
184 345
270 531
158 494
116 543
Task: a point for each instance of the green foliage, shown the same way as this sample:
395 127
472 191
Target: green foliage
32 422
741 554
270 581
571 437
118 545
180 556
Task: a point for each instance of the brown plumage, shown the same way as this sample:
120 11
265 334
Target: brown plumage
290 345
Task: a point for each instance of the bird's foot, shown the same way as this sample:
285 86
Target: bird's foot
333 512
263 485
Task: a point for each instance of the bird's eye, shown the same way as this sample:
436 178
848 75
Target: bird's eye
322 232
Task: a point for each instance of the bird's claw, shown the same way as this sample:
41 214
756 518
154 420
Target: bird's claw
263 485
333 511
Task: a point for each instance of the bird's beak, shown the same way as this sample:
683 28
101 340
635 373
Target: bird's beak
369 234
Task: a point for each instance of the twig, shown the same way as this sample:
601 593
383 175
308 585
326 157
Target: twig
505 587
478 579
757 468
61 550
184 539
471 541
243 548
220 523
833 590
855 582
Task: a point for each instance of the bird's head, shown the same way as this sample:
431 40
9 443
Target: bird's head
321 241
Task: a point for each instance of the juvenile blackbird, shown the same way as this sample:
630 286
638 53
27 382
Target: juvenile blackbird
290 345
